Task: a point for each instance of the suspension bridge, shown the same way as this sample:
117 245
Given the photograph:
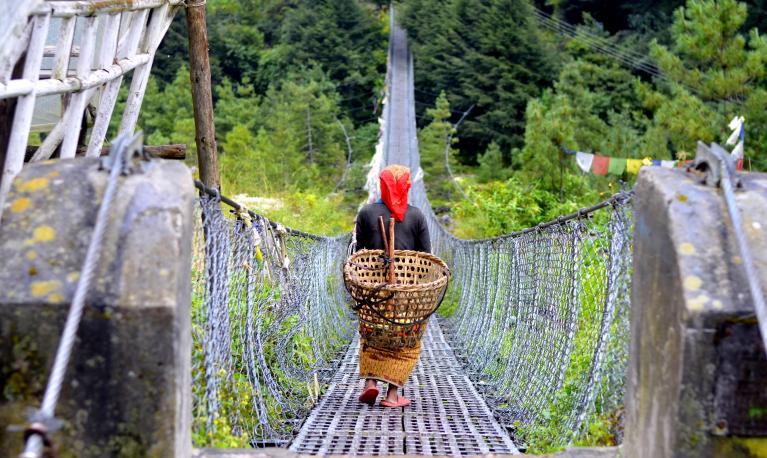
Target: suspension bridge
533 334
484 371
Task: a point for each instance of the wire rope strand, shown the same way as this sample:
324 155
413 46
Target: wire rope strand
34 445
757 295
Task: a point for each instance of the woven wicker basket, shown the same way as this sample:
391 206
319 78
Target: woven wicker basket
395 316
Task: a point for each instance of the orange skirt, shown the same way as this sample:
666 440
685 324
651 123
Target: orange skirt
390 366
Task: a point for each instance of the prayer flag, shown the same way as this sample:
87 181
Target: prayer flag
737 137
604 165
736 125
617 166
668 164
600 164
633 165
584 160
737 153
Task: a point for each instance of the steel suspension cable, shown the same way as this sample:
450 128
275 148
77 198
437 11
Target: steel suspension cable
41 420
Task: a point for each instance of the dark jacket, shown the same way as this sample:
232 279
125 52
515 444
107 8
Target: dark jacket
411 233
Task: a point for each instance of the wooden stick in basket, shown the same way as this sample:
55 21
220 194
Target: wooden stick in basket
382 228
391 251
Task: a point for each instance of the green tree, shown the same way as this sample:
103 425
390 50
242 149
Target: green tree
344 38
500 207
235 105
432 141
242 166
711 62
595 106
489 54
167 115
491 165
292 137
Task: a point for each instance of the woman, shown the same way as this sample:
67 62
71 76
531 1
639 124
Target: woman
410 233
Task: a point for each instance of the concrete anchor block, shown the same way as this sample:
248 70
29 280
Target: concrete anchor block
127 391
696 359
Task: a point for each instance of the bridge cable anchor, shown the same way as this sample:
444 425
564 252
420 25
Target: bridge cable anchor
133 160
718 169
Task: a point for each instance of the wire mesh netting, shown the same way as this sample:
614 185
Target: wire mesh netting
269 316
541 319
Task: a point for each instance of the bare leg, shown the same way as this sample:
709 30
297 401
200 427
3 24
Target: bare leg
393 399
370 383
392 395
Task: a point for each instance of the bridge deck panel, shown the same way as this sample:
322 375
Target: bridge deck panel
447 415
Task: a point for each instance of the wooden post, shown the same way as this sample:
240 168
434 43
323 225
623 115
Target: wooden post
382 228
391 251
202 99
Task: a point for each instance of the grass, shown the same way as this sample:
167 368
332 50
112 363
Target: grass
249 411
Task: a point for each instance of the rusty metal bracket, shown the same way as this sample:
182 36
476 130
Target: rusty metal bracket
42 430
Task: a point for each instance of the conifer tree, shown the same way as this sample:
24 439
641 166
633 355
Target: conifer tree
715 73
489 54
432 142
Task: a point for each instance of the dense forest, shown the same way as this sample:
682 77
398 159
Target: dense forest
298 90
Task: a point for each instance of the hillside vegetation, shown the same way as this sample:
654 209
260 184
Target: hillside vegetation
298 86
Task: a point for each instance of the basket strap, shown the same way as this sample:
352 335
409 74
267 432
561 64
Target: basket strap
368 300
390 272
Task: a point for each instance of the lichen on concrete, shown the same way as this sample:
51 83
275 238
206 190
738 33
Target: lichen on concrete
690 319
128 384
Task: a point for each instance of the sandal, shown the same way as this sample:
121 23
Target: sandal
401 402
369 396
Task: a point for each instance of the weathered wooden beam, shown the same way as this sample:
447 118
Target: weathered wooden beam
174 151
202 98
68 8
22 117
21 87
7 109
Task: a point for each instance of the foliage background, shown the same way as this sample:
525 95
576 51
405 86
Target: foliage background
289 73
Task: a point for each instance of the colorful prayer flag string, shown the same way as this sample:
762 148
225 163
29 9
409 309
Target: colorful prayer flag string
606 165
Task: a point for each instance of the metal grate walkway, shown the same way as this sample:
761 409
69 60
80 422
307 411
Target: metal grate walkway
447 415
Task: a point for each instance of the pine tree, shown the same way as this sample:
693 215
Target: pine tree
715 73
488 54
432 141
491 165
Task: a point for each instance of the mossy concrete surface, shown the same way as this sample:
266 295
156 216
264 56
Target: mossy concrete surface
127 388
697 365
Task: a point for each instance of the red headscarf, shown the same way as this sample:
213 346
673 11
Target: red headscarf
395 184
